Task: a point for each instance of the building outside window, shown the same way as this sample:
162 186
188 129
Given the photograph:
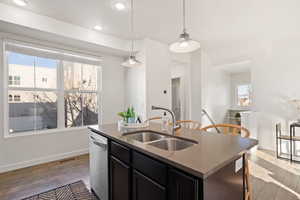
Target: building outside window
55 92
244 95
10 80
14 80
17 80
17 98
44 80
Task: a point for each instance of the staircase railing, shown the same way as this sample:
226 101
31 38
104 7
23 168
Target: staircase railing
210 119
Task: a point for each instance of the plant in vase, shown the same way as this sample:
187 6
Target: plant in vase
128 116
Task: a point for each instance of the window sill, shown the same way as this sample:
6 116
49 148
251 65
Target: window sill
44 132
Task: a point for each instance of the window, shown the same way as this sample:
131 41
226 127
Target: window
17 98
14 80
10 80
56 91
17 80
80 94
44 80
244 93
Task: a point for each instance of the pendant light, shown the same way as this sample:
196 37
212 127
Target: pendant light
131 61
184 44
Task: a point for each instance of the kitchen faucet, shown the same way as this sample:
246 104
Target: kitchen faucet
174 125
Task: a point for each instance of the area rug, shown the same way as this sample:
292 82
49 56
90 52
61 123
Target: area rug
73 191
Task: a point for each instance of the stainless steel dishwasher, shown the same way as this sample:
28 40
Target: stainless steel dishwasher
99 165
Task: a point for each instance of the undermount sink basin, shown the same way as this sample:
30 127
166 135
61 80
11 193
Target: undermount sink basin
145 136
172 144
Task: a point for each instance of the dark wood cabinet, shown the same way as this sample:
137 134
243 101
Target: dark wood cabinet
136 175
153 169
119 180
182 186
146 189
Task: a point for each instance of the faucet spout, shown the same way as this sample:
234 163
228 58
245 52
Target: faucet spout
174 125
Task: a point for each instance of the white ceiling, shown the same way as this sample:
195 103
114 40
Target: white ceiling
216 23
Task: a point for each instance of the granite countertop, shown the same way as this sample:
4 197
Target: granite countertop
213 151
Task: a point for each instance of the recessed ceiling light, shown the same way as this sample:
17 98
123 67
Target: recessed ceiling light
120 6
98 28
21 2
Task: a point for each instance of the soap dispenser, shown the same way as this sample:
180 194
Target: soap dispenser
165 120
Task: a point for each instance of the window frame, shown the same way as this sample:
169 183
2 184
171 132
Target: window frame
59 90
237 95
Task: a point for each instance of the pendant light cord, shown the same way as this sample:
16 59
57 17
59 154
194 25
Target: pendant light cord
132 29
183 16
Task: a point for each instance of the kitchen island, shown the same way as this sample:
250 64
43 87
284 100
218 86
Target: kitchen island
195 165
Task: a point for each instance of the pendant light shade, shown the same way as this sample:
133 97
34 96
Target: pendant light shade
131 61
184 44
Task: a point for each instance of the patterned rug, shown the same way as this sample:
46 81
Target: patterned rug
73 191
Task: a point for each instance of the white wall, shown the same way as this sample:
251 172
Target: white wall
135 87
113 96
181 70
215 91
25 151
145 85
195 85
275 80
158 76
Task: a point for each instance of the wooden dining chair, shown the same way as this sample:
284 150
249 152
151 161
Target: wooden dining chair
190 124
229 129
233 129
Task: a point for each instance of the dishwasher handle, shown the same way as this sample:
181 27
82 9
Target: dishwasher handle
101 144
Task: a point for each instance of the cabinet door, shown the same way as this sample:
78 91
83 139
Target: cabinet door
119 180
146 189
182 187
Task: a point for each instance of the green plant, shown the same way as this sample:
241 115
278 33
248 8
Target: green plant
127 114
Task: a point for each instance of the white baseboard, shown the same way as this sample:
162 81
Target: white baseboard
29 163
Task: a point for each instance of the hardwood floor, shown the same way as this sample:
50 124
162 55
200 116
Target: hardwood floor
272 179
22 183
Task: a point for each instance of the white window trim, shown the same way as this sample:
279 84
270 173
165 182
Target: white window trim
60 94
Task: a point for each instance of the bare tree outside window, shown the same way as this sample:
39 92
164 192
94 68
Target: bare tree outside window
81 106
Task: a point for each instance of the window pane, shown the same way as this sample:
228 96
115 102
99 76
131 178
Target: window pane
90 109
46 73
21 70
46 110
73 110
72 75
21 113
89 77
244 94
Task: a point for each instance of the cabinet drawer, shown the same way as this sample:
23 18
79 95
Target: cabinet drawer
149 167
121 152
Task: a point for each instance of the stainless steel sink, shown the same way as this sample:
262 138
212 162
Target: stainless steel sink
145 136
172 144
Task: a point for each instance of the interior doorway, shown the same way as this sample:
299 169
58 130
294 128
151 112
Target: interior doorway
176 98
